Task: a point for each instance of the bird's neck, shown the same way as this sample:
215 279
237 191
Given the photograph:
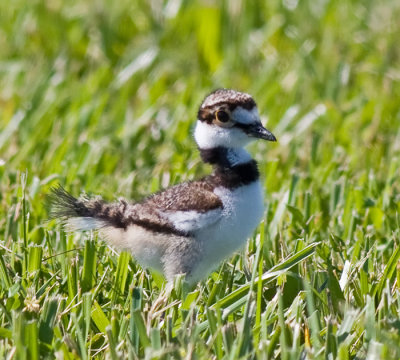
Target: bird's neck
233 167
225 157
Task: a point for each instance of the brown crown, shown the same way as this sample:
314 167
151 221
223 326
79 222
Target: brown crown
227 97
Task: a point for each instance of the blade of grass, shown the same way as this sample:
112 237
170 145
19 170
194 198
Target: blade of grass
268 276
89 265
121 274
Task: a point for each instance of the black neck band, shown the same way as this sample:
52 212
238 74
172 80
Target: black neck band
225 174
215 156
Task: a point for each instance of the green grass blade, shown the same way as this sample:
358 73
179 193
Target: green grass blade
388 272
141 328
268 276
5 279
34 258
48 320
89 266
121 274
99 318
32 339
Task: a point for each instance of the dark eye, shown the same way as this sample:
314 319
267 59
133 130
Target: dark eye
222 116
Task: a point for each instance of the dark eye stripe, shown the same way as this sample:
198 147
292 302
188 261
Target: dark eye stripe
245 127
207 114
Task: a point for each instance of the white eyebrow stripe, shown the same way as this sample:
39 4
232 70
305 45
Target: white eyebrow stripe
244 116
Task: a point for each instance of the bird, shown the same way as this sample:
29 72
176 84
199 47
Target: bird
191 227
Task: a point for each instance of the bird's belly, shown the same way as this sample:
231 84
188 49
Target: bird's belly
243 210
146 246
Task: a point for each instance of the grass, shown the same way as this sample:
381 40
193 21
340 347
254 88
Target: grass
101 97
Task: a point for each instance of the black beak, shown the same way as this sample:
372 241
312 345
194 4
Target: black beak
260 132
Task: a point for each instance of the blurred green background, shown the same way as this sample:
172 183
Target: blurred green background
95 88
101 96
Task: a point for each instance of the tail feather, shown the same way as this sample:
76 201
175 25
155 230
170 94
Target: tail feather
85 213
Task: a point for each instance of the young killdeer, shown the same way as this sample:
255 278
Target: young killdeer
191 227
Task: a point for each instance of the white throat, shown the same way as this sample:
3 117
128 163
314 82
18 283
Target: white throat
210 136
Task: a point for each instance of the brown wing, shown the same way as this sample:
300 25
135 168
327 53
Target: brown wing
180 209
191 196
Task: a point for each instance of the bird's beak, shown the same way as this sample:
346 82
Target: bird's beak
260 132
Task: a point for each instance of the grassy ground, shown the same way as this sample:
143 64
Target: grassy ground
101 96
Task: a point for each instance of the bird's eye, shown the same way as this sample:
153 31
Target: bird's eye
222 116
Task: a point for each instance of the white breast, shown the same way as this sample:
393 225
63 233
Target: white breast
243 211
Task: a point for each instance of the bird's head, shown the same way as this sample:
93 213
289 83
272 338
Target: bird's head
228 118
